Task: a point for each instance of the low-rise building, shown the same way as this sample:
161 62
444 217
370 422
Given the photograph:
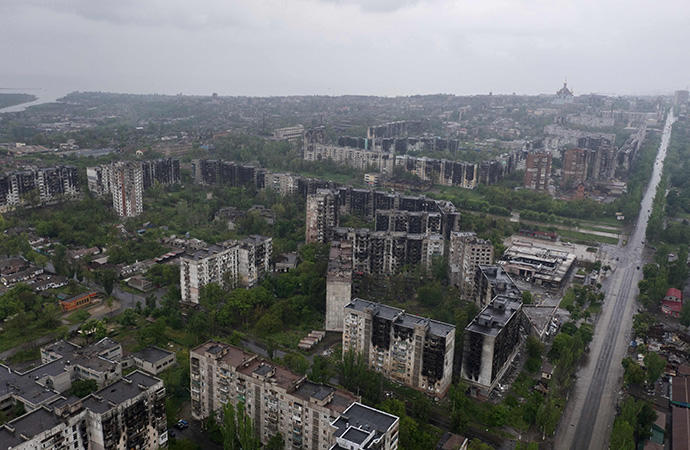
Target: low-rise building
544 266
153 360
405 348
79 301
129 413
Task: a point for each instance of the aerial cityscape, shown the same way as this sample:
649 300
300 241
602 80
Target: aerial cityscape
273 261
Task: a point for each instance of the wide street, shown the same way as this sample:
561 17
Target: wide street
588 417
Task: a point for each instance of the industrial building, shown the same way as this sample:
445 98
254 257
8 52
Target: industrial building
545 266
538 171
230 264
491 281
338 284
38 186
405 348
308 415
491 342
466 253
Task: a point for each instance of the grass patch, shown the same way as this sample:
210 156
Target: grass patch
78 316
586 238
25 355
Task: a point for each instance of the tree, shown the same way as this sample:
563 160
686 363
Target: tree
106 278
527 297
622 435
82 388
275 443
229 428
685 314
93 329
655 365
633 372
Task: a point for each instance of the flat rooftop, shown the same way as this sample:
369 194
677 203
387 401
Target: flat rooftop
152 354
364 417
35 422
400 317
491 320
124 389
228 354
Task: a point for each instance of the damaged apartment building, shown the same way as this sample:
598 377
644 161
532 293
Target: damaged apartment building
491 342
44 185
466 253
491 281
127 412
405 348
231 264
308 415
393 212
338 284
228 173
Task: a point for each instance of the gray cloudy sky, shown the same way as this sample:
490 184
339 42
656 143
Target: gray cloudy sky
384 47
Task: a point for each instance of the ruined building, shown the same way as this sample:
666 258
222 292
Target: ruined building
322 215
386 253
338 284
405 348
308 415
466 253
490 281
228 173
491 342
161 171
538 171
38 186
395 129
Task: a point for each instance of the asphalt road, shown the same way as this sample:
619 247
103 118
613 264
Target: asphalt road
588 417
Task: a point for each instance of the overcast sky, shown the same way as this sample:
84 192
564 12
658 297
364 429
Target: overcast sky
382 47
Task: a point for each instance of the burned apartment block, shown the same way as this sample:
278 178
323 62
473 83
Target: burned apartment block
38 186
408 349
230 264
127 412
395 129
127 188
356 158
308 415
338 283
544 265
322 216
162 171
466 253
228 173
491 342
440 171
490 281
386 253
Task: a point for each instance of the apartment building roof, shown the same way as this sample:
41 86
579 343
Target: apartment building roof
365 419
278 375
228 354
34 422
123 389
401 318
152 354
491 320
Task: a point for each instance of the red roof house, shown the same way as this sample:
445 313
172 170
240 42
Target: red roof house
674 295
672 303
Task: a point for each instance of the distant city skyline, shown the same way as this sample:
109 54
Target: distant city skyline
345 47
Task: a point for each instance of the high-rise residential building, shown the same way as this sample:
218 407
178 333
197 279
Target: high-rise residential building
38 186
491 342
466 253
338 284
493 280
228 173
308 415
230 264
127 186
98 179
162 171
387 253
538 171
322 215
405 348
254 259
